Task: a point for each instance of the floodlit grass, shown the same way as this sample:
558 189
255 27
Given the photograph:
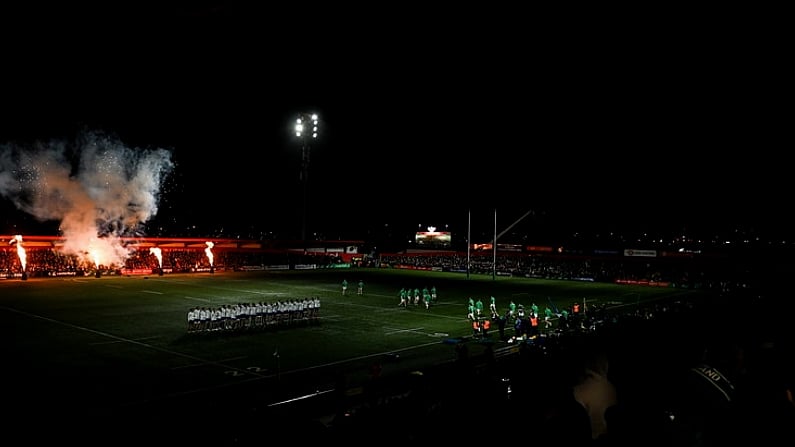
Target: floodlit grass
119 345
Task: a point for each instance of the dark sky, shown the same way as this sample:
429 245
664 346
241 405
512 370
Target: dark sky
418 127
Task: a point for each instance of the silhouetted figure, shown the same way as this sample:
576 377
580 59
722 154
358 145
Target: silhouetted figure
501 321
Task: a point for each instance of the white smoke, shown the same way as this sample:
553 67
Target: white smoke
96 187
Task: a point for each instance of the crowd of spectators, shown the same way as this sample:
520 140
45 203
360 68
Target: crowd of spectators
676 272
53 262
684 273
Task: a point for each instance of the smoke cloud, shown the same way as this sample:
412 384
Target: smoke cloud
97 188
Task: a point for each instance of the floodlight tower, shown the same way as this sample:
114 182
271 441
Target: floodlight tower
307 135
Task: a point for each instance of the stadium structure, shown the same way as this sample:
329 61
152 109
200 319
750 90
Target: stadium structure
47 255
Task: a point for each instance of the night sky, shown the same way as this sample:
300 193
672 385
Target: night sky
615 132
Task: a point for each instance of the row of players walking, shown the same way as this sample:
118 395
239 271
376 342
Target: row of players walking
254 316
409 296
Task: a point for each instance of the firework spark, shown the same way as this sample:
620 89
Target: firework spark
98 189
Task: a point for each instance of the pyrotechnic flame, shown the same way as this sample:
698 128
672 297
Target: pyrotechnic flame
209 252
23 256
94 254
158 254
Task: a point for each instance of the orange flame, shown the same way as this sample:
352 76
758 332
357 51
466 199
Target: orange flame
23 256
158 254
209 252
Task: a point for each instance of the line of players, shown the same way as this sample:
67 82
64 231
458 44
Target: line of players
525 324
413 296
254 316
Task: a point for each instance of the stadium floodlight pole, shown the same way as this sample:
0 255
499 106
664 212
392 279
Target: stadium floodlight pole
302 131
469 239
494 248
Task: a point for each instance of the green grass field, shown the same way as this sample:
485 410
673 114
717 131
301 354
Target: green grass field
118 347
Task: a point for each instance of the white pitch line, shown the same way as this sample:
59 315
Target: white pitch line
152 292
194 365
122 341
259 292
225 289
258 376
398 331
198 299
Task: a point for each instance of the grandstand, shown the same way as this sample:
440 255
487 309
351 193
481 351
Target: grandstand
47 256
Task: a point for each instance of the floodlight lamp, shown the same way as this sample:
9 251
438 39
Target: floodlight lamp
299 126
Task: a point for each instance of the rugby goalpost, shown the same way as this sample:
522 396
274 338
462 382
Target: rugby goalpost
493 241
